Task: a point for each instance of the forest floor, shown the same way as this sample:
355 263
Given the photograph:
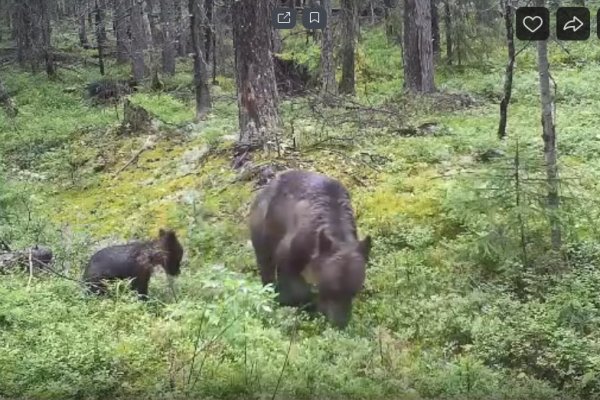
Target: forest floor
463 297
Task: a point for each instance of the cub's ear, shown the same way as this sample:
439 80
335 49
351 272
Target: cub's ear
324 242
364 247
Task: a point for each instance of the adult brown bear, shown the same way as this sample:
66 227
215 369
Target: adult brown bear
135 261
304 233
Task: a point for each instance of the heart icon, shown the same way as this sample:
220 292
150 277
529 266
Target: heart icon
533 24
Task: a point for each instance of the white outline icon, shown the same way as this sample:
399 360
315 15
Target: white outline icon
284 18
533 28
575 24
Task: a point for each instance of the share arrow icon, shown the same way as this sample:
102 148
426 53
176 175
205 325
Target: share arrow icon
574 25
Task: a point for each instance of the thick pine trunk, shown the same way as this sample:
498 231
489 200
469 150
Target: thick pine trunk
257 89
198 33
350 24
418 50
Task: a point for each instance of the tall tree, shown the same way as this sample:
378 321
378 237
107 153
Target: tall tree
448 26
182 21
328 84
507 6
100 34
255 72
435 28
549 137
33 34
209 11
169 51
46 35
418 49
154 40
121 12
138 43
83 40
198 32
350 24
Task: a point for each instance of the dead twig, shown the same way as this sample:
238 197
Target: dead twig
147 145
30 269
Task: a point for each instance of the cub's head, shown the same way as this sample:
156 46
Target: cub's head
171 250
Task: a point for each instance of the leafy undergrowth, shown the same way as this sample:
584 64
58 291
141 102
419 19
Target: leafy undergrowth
455 307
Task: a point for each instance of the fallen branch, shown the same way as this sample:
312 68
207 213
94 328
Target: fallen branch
30 269
147 145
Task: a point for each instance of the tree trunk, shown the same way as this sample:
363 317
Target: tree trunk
167 14
46 37
209 30
90 12
276 41
510 66
122 10
83 40
198 31
435 28
327 61
549 136
33 34
255 73
100 34
214 55
138 65
350 23
21 29
3 12
418 50
183 25
448 25
149 23
154 44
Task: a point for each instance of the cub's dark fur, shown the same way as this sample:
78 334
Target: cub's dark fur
135 261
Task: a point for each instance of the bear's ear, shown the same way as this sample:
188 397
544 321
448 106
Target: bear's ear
324 242
161 232
364 247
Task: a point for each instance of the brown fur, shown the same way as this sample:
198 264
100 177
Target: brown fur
135 261
304 234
